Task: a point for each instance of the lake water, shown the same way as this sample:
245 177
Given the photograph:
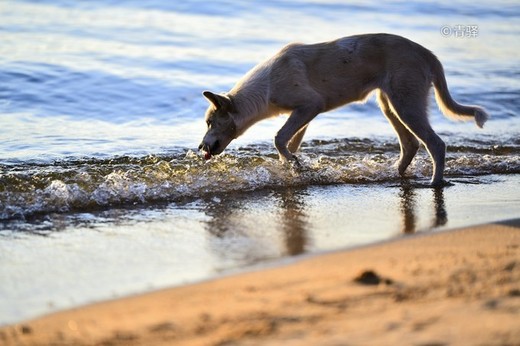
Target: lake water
103 193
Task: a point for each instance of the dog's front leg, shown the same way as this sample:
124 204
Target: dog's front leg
296 141
299 118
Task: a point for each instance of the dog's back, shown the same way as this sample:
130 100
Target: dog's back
347 69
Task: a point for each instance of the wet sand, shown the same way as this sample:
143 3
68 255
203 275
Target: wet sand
459 287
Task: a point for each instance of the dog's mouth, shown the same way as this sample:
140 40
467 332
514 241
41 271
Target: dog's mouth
208 150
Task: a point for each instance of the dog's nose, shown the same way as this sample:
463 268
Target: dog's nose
204 146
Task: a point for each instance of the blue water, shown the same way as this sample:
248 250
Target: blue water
101 110
102 78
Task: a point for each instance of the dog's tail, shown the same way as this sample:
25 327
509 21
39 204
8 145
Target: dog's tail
450 107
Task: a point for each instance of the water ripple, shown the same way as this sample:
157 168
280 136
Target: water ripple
87 184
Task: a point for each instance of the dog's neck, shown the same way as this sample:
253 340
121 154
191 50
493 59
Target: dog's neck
249 110
250 97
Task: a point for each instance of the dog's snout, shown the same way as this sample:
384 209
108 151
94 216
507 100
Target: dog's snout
204 147
207 147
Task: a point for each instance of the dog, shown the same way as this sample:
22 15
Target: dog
308 79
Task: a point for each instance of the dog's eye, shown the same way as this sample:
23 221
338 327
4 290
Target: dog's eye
208 122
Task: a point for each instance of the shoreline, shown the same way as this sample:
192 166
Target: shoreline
454 287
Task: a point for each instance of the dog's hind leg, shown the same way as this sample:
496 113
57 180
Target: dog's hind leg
296 140
407 140
410 105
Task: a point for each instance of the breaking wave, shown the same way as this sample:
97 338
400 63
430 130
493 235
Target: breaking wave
28 189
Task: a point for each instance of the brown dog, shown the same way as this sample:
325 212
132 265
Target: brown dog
305 80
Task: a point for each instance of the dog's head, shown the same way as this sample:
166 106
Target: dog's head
221 126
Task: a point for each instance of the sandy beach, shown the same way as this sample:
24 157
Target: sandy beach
458 287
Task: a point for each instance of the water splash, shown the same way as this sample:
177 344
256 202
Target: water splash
88 184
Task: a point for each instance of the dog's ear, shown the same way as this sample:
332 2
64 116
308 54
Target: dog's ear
219 101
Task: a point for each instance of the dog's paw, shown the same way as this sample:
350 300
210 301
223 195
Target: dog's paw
442 183
295 163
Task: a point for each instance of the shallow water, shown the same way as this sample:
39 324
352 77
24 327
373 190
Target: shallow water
101 113
82 185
